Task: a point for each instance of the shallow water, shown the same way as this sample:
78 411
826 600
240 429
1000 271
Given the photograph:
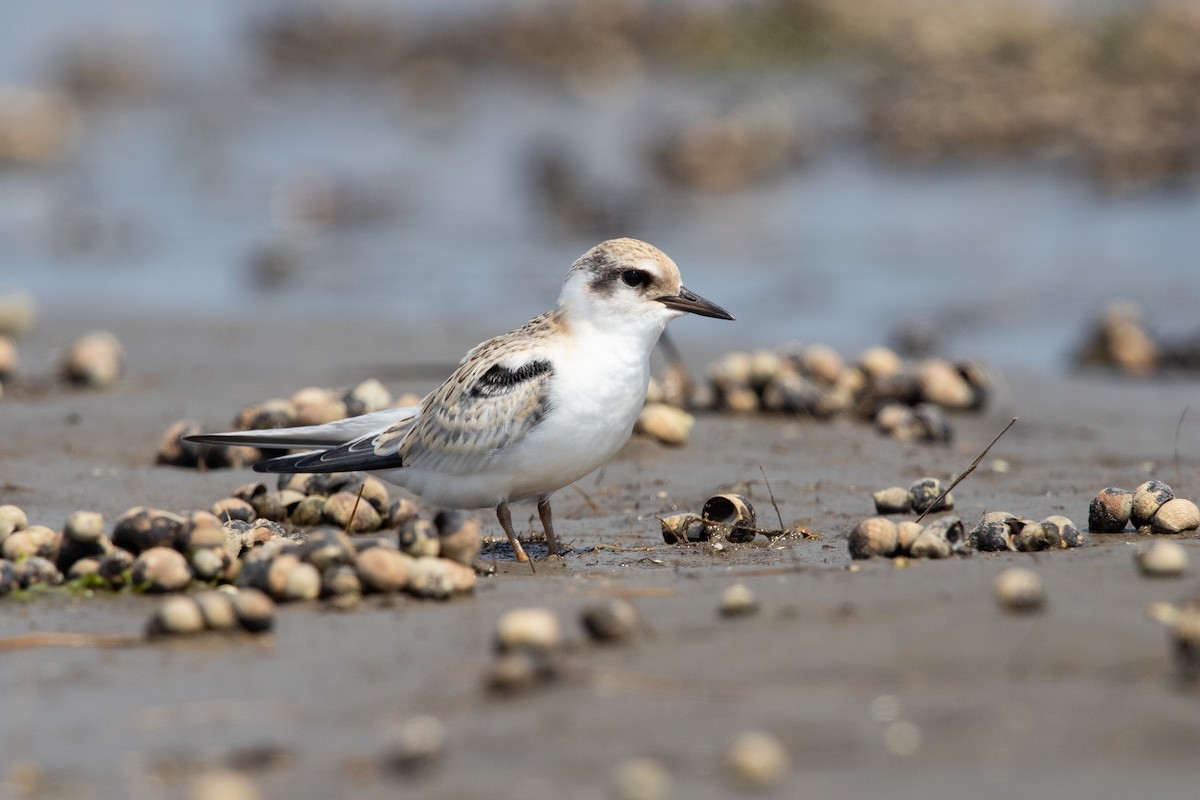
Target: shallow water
168 200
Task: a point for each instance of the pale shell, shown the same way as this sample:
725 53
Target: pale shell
1176 516
1110 510
1019 589
1147 499
1162 559
875 536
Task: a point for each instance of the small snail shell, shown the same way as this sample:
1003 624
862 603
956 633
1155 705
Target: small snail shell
1110 510
1147 499
875 536
734 512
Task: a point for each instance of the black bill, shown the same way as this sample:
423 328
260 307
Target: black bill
693 303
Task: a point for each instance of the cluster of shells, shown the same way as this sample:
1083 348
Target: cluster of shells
312 405
948 536
1119 339
244 542
906 400
94 360
1150 508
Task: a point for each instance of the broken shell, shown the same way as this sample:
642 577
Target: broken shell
1068 534
1019 589
609 621
535 629
116 566
665 424
341 579
940 382
217 609
1110 510
641 779
37 570
141 528
1147 499
438 578
382 569
419 539
907 533
924 492
733 516
737 601
1176 516
874 536
176 616
678 528
349 513
95 359
460 536
1161 559
892 500
255 611
757 760
12 518
161 569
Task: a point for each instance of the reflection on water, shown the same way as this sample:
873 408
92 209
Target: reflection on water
226 192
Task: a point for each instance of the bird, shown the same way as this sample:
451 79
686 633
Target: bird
525 413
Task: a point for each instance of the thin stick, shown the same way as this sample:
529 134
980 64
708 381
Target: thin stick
968 470
587 497
1178 427
771 494
354 511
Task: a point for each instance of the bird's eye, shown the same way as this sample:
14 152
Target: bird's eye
635 277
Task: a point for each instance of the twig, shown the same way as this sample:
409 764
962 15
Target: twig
771 494
587 498
29 641
967 471
354 511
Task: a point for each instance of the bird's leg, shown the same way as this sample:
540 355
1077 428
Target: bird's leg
505 519
548 526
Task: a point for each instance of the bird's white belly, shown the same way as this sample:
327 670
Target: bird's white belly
594 403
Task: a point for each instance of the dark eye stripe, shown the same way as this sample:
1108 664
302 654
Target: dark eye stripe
635 277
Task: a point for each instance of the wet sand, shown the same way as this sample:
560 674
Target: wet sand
909 682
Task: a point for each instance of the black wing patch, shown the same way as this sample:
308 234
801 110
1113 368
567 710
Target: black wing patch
500 379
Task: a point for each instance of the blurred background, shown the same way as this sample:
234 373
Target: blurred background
979 179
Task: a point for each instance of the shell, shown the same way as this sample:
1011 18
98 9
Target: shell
930 544
37 570
933 423
1162 559
737 399
317 406
892 500
924 492
879 362
382 569
217 609
277 505
665 424
822 362
641 779
211 564
1110 510
339 508
401 511
1038 536
875 536
35 540
1070 535
84 527
757 760
368 397
992 536
907 532
941 383
535 629
419 539
255 611
141 528
116 566
174 451
95 359
12 518
341 579
678 528
1176 516
161 569
1147 499
460 536
789 392
308 512
731 515
327 547
948 530
274 413
1019 589
610 620
898 421
438 578
737 601
176 616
